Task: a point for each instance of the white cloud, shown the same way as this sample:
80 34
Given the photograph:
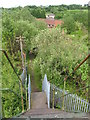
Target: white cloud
15 3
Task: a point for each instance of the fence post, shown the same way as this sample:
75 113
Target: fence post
53 98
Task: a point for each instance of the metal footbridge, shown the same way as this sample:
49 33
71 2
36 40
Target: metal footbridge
51 102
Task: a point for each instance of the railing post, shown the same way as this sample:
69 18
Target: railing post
26 94
3 114
0 63
63 94
48 95
22 96
53 98
0 106
46 89
29 93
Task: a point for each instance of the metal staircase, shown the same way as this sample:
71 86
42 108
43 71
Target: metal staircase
42 104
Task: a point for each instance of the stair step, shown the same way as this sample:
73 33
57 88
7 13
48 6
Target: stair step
38 100
52 113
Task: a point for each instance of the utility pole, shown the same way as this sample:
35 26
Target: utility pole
20 39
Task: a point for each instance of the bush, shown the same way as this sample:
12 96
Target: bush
69 24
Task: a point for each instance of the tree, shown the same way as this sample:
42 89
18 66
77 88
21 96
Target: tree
69 24
38 13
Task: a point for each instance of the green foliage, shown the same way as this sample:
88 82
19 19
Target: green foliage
8 33
20 14
74 7
75 20
58 55
38 13
81 17
64 8
69 24
15 22
57 52
37 76
11 102
19 22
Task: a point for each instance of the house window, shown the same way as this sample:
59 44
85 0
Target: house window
49 25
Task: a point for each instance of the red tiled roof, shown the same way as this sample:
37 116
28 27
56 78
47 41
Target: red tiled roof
40 19
58 22
52 21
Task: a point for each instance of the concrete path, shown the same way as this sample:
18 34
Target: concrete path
38 100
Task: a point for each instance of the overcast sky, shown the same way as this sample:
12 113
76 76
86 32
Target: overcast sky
15 3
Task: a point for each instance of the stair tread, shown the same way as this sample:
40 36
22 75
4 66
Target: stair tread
52 113
38 100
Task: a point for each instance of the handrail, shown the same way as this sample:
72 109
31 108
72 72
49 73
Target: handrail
71 74
8 89
17 76
72 102
10 63
77 67
66 79
46 89
77 91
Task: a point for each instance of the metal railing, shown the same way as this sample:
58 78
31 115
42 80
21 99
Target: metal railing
23 76
72 102
10 90
68 101
46 89
23 88
61 98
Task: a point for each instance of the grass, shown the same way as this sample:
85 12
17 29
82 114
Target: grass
76 10
37 76
34 72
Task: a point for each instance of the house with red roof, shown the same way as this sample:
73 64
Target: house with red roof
50 21
51 15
